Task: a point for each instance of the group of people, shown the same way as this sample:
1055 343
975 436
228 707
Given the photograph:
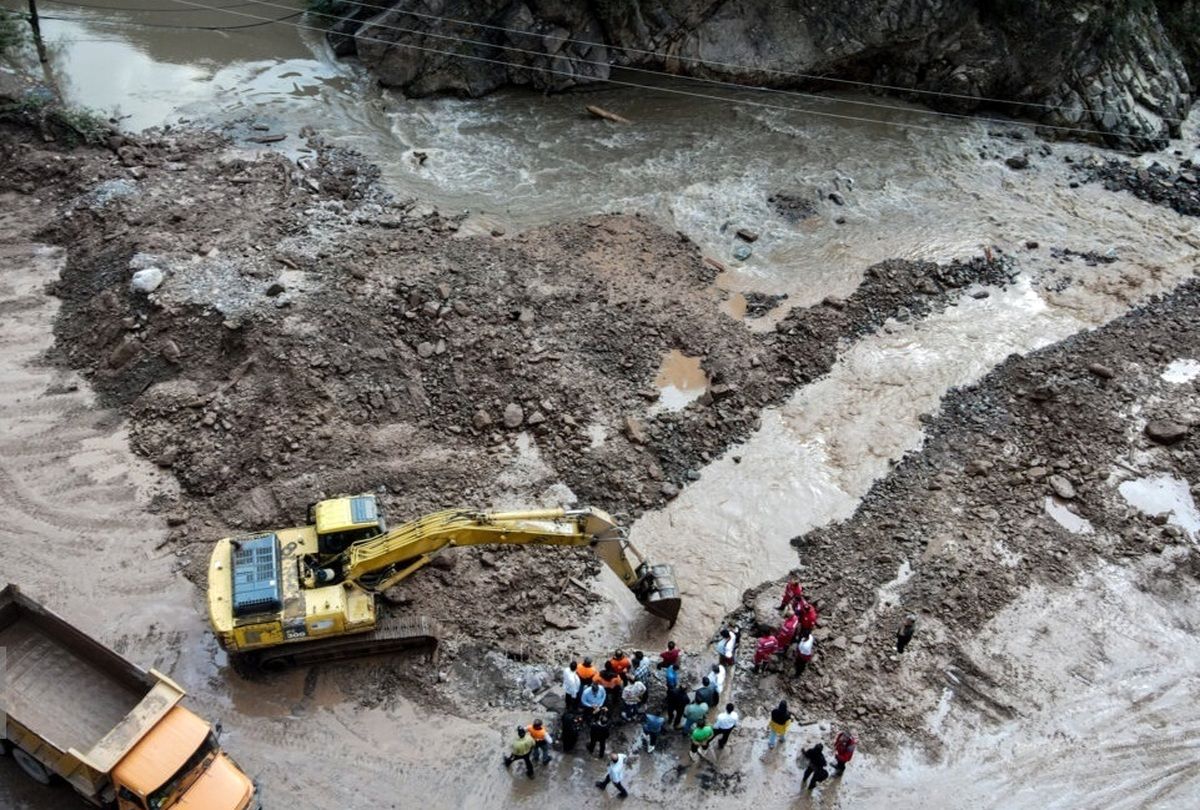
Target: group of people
793 639
618 691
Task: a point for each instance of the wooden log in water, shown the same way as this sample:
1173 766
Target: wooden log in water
600 112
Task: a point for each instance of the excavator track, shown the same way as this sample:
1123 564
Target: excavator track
391 635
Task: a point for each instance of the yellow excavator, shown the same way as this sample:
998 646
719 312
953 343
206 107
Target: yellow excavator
309 594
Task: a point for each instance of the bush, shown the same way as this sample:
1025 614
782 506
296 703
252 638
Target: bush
12 30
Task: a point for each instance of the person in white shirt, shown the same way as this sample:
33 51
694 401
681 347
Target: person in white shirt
717 678
571 685
616 775
727 646
803 652
725 724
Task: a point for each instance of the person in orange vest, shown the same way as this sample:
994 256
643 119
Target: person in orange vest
586 672
619 664
541 740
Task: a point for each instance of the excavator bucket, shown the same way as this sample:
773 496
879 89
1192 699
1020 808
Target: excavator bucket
658 591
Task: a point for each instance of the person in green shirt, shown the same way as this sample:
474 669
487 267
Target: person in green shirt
522 748
693 713
702 736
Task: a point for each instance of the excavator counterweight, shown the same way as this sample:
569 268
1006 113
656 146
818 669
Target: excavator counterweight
309 594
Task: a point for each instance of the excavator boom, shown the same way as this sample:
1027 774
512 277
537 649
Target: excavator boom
315 584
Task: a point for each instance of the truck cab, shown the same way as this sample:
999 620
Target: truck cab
178 764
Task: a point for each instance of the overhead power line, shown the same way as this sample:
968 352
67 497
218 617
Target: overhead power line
176 27
172 10
747 68
699 79
655 73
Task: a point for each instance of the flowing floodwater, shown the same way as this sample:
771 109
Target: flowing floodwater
707 168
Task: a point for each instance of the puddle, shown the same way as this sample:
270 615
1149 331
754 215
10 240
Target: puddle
680 380
1163 495
1064 517
1183 370
735 306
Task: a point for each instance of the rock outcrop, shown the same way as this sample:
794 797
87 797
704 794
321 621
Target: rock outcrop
1122 68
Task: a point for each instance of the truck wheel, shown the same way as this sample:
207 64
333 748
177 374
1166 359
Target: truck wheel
33 769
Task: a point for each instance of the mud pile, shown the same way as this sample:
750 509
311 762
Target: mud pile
1021 481
280 331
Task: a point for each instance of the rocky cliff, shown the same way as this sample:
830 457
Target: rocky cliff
1123 68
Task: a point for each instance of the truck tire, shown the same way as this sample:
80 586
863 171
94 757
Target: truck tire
33 769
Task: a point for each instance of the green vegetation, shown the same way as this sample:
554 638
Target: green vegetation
75 125
12 31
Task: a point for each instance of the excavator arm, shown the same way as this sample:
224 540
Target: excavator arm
380 562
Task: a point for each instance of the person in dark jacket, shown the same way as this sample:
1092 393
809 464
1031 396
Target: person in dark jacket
677 701
817 770
572 724
905 633
598 732
708 692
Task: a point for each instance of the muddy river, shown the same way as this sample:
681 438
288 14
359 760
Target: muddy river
912 185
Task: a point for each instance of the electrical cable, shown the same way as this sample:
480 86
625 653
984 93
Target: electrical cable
735 66
701 79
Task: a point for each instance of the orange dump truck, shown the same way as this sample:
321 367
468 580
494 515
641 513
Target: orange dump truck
72 709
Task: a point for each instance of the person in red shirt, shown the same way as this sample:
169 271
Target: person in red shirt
793 593
808 615
765 651
787 631
670 656
843 747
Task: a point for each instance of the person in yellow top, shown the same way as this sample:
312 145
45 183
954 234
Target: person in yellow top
541 740
522 748
781 718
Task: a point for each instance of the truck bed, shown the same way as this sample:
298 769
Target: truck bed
65 698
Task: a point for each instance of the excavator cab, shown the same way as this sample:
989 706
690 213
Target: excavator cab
341 522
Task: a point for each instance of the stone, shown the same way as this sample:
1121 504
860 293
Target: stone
1165 431
129 348
274 289
481 420
747 235
978 468
147 280
535 418
741 253
514 415
559 619
669 490
836 199
526 315
1062 487
635 430
1017 162
1101 371
425 349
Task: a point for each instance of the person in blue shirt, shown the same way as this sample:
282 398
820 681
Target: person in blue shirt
592 699
672 676
652 726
